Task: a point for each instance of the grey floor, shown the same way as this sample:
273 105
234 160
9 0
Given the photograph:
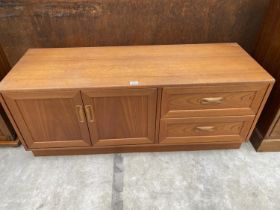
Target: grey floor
226 179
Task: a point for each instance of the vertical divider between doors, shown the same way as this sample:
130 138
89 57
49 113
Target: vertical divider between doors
158 113
83 105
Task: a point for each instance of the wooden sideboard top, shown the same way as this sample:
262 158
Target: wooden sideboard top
157 65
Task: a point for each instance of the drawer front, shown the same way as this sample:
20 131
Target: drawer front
200 130
220 100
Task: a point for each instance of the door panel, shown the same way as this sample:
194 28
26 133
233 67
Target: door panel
121 116
50 118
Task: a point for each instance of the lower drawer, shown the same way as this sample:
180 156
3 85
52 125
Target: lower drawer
213 129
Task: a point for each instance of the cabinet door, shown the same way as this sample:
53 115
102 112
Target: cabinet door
121 116
49 118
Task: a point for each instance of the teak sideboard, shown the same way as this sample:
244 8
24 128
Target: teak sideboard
135 98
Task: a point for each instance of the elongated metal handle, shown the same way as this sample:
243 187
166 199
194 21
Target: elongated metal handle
216 100
80 113
204 128
89 113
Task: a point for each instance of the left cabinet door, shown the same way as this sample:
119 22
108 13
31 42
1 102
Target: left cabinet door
49 119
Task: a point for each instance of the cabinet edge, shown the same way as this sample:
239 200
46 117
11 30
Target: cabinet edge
260 109
9 115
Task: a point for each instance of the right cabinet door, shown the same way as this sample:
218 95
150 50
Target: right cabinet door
121 116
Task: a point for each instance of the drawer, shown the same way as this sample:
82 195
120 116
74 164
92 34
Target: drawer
204 130
222 100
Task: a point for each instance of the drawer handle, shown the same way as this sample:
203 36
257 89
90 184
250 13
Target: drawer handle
216 100
80 113
204 128
89 113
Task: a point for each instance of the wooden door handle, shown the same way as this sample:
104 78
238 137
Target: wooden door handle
215 100
204 128
89 113
80 113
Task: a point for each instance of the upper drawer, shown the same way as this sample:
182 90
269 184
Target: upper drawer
243 99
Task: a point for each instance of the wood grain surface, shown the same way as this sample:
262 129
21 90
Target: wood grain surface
275 131
7 133
78 23
191 130
159 65
49 119
219 100
136 148
267 53
4 64
108 96
122 116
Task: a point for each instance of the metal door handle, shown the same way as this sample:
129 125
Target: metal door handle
89 113
80 113
216 100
